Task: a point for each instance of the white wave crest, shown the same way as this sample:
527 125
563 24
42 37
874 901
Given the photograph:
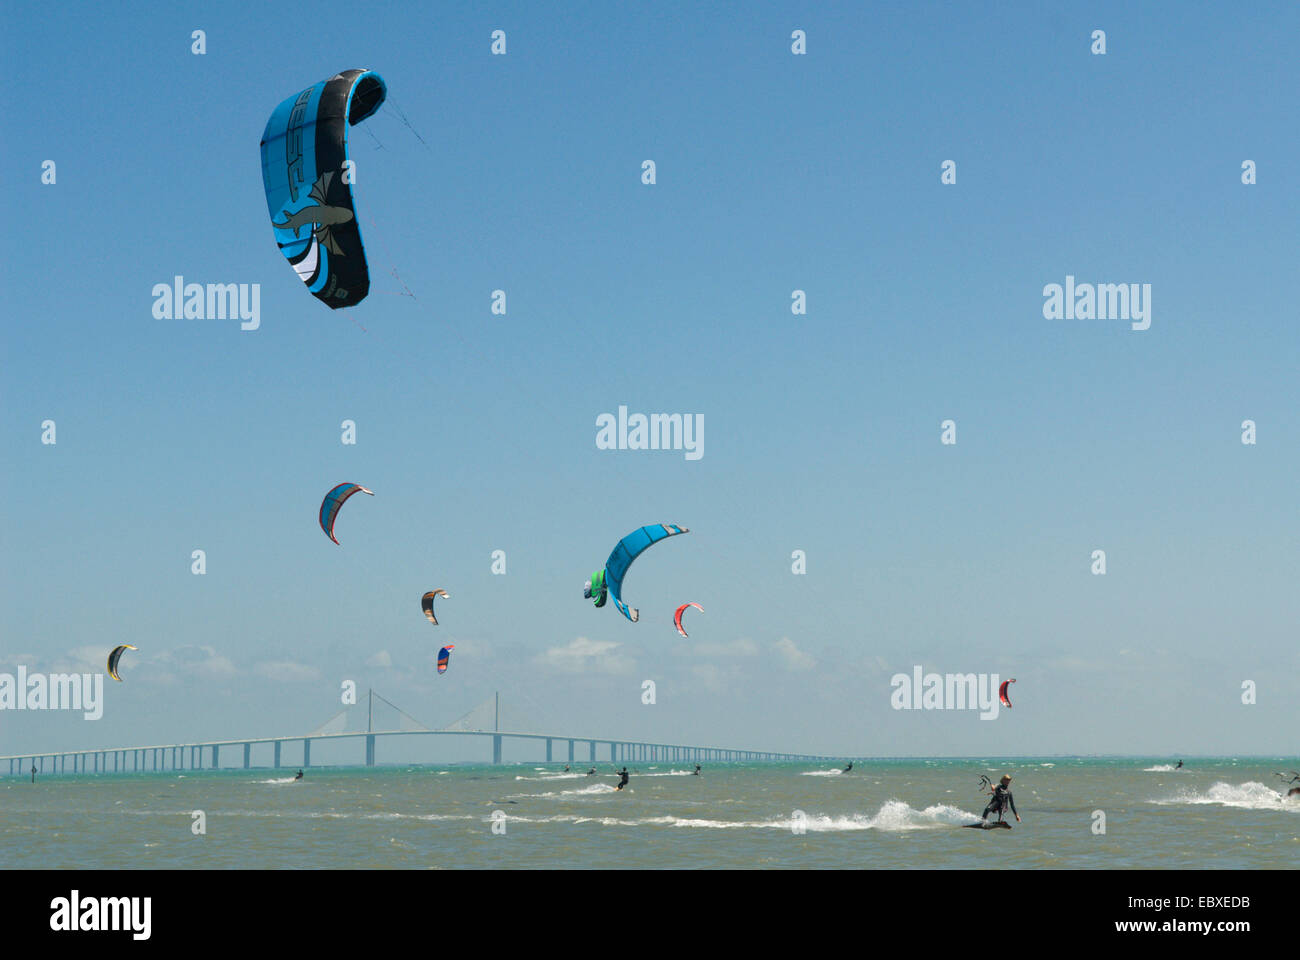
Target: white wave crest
1250 795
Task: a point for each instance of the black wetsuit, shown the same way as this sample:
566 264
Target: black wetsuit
849 767
623 781
697 770
999 801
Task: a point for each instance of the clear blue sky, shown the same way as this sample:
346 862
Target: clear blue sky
477 432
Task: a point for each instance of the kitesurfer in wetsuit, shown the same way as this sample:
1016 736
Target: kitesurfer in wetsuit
623 781
697 771
849 767
299 776
591 772
1000 800
1180 765
33 773
566 768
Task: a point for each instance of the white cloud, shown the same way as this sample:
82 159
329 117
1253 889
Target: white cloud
199 659
86 659
709 676
380 659
743 647
794 658
582 655
287 671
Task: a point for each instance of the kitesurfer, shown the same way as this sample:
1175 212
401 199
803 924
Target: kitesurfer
591 772
33 773
299 776
623 779
849 767
697 771
1000 799
566 768
1180 765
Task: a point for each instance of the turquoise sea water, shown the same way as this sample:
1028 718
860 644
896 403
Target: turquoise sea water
1213 814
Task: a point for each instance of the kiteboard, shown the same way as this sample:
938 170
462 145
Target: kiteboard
984 825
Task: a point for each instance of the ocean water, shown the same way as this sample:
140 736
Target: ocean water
893 814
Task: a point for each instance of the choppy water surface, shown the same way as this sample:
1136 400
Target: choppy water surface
1219 813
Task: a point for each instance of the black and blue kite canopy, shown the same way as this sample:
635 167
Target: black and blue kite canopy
308 193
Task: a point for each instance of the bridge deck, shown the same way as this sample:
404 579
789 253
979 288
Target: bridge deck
619 749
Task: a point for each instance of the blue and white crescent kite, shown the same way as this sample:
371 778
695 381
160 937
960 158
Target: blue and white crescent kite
333 502
610 579
304 150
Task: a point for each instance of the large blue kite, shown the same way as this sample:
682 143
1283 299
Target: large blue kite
610 579
308 190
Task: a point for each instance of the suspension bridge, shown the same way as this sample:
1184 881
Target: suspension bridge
207 754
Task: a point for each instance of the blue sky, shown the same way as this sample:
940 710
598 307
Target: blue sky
477 432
